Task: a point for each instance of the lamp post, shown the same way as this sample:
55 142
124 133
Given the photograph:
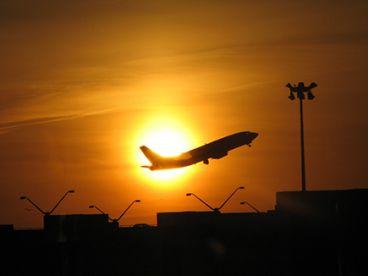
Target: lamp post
126 210
300 91
53 209
217 210
61 199
250 205
201 200
34 204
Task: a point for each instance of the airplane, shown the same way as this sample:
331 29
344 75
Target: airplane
215 150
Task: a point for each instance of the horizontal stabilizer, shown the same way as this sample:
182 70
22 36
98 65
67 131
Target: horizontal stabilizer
152 156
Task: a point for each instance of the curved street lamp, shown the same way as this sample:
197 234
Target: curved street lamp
217 210
250 205
46 213
201 200
34 204
126 210
122 214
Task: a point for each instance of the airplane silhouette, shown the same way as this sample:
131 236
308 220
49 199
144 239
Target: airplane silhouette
215 150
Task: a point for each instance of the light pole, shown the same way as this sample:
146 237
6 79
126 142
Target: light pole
217 210
300 91
53 209
250 205
126 210
61 199
34 204
201 200
122 214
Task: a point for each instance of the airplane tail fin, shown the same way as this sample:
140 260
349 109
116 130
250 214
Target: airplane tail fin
152 156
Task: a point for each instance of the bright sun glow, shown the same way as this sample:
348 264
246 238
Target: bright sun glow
167 142
167 138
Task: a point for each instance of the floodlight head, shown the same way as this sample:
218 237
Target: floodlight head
23 197
313 85
189 194
71 191
241 187
137 200
91 206
291 96
242 203
310 96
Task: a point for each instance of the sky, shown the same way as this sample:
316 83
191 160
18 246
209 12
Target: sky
84 83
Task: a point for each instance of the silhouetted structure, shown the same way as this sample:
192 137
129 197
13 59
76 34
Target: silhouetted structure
6 228
65 228
300 90
308 233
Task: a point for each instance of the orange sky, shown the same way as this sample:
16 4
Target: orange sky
80 84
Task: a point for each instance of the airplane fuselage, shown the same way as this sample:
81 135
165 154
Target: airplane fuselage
214 150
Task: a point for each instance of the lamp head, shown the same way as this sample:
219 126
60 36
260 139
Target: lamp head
241 188
71 191
23 197
137 200
91 206
291 96
301 85
189 194
310 96
313 85
242 203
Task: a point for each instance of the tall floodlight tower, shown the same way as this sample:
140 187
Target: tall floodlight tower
300 90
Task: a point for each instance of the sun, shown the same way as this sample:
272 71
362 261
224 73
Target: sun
166 137
167 142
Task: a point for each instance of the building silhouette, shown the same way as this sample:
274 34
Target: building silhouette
308 233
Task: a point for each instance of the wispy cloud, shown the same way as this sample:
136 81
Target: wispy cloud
13 125
7 126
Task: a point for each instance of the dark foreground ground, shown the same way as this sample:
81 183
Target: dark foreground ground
308 233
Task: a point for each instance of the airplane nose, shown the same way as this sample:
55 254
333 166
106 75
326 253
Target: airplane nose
254 135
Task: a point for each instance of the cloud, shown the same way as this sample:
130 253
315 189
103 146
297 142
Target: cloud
13 125
4 127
